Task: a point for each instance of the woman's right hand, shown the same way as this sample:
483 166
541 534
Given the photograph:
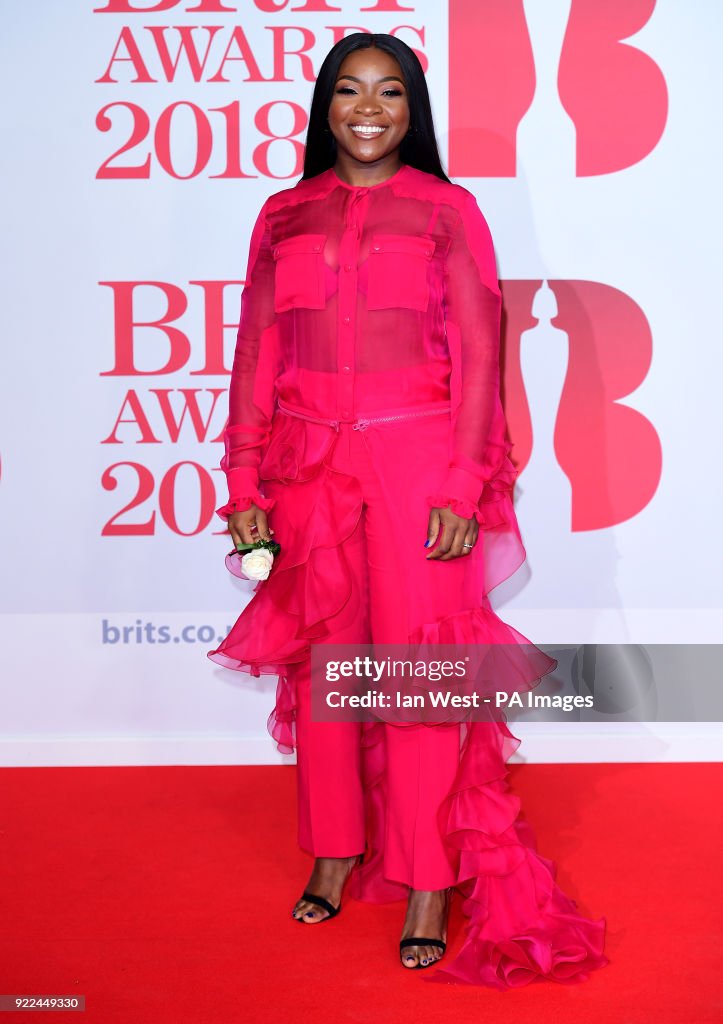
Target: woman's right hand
249 526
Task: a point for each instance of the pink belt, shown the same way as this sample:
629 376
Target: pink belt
362 422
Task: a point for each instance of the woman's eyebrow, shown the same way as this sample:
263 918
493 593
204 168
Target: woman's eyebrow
387 78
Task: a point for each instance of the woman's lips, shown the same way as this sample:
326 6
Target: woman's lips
367 131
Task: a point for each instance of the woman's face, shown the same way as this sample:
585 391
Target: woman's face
369 112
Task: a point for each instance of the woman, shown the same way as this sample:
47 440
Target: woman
365 422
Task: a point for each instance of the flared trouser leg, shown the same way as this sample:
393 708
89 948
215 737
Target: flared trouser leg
421 761
329 785
330 795
421 765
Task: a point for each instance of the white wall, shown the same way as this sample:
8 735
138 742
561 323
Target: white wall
647 230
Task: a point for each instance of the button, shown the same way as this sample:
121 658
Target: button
346 369
427 252
347 266
316 248
347 320
377 248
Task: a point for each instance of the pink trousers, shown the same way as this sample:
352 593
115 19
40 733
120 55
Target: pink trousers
421 762
431 805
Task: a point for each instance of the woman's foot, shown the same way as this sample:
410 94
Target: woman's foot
327 880
427 917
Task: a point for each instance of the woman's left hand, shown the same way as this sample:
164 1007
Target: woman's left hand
456 531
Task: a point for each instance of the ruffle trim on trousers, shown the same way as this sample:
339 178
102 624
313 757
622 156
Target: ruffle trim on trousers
311 580
520 926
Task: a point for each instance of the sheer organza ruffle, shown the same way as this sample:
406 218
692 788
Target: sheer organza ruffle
491 510
244 504
310 581
459 506
520 926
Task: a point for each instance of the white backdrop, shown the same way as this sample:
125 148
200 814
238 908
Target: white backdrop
114 585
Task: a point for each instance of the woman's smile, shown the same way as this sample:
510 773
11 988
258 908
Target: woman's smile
368 131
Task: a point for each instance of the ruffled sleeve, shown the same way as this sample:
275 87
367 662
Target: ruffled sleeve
244 504
252 390
480 471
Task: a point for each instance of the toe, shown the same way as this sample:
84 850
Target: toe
314 914
410 956
304 911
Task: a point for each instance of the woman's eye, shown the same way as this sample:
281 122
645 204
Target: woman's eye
346 90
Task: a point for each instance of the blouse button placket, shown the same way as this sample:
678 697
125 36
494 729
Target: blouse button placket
347 301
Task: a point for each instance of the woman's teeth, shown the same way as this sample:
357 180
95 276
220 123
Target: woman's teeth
367 131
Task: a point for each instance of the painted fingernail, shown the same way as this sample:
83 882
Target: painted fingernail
426 543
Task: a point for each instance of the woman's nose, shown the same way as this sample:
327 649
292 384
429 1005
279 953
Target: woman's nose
369 106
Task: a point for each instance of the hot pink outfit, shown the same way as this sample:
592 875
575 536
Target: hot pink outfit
366 390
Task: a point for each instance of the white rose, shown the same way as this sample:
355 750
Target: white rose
257 563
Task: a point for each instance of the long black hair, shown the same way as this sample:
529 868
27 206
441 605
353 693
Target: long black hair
418 148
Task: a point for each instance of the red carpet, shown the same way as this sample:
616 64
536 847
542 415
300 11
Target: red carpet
164 894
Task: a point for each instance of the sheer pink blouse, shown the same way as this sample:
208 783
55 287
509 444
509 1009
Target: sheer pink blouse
364 302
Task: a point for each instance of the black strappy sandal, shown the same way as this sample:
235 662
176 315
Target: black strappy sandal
319 901
417 941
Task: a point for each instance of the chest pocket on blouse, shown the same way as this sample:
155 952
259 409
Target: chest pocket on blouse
399 271
299 276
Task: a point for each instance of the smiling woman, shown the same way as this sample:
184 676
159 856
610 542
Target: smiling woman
369 116
366 423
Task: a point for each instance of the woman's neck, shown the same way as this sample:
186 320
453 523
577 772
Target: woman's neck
354 173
